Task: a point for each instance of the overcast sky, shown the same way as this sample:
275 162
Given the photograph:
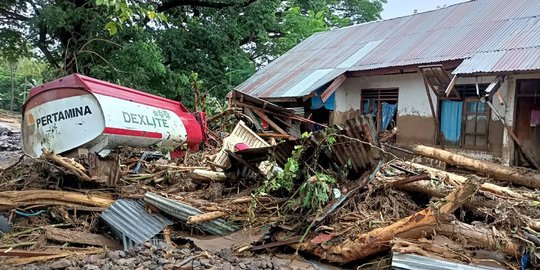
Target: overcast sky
398 8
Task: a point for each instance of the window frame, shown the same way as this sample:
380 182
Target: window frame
464 133
385 98
465 99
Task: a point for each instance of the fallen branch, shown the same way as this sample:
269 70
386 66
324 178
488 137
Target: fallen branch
15 199
499 172
378 240
15 245
70 166
23 261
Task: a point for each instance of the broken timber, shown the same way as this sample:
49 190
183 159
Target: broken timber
377 240
499 172
78 237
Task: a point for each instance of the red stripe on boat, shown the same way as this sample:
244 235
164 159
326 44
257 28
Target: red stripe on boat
131 132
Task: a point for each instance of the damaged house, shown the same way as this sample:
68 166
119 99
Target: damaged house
465 77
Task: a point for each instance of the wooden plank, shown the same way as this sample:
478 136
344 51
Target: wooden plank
270 122
78 237
273 135
249 113
292 116
433 114
451 85
333 87
493 87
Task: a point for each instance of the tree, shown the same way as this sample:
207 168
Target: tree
156 45
16 79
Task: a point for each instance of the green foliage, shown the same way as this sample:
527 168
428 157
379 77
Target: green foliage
154 45
16 79
315 192
284 180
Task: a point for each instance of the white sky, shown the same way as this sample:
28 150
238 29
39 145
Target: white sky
398 8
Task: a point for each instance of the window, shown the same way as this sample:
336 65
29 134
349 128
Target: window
382 104
465 122
476 123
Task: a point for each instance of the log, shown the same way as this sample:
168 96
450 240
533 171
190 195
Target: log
208 175
486 238
16 199
453 179
503 173
78 237
378 240
206 217
476 204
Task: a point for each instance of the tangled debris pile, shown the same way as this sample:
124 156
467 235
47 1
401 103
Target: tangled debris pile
335 194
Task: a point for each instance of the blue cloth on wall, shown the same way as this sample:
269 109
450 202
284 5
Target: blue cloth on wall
330 104
388 111
451 112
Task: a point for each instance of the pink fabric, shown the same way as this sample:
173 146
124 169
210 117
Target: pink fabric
241 146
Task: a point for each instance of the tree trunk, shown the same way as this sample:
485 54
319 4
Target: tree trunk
12 104
499 172
455 179
378 240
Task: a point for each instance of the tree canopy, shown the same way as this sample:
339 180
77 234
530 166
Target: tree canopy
156 46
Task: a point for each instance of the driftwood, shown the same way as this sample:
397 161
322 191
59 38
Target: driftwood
377 240
499 172
206 217
207 175
16 199
77 237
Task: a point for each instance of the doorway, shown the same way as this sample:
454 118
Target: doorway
527 119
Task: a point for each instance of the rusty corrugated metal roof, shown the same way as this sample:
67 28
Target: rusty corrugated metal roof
501 61
455 32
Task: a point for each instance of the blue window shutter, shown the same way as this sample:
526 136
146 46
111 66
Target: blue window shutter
451 112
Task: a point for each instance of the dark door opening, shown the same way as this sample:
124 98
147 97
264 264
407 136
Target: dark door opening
527 119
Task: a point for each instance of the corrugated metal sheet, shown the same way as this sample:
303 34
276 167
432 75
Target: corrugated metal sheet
455 32
182 211
354 149
417 262
131 223
501 61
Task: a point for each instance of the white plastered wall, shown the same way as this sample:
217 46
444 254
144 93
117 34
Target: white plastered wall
412 100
